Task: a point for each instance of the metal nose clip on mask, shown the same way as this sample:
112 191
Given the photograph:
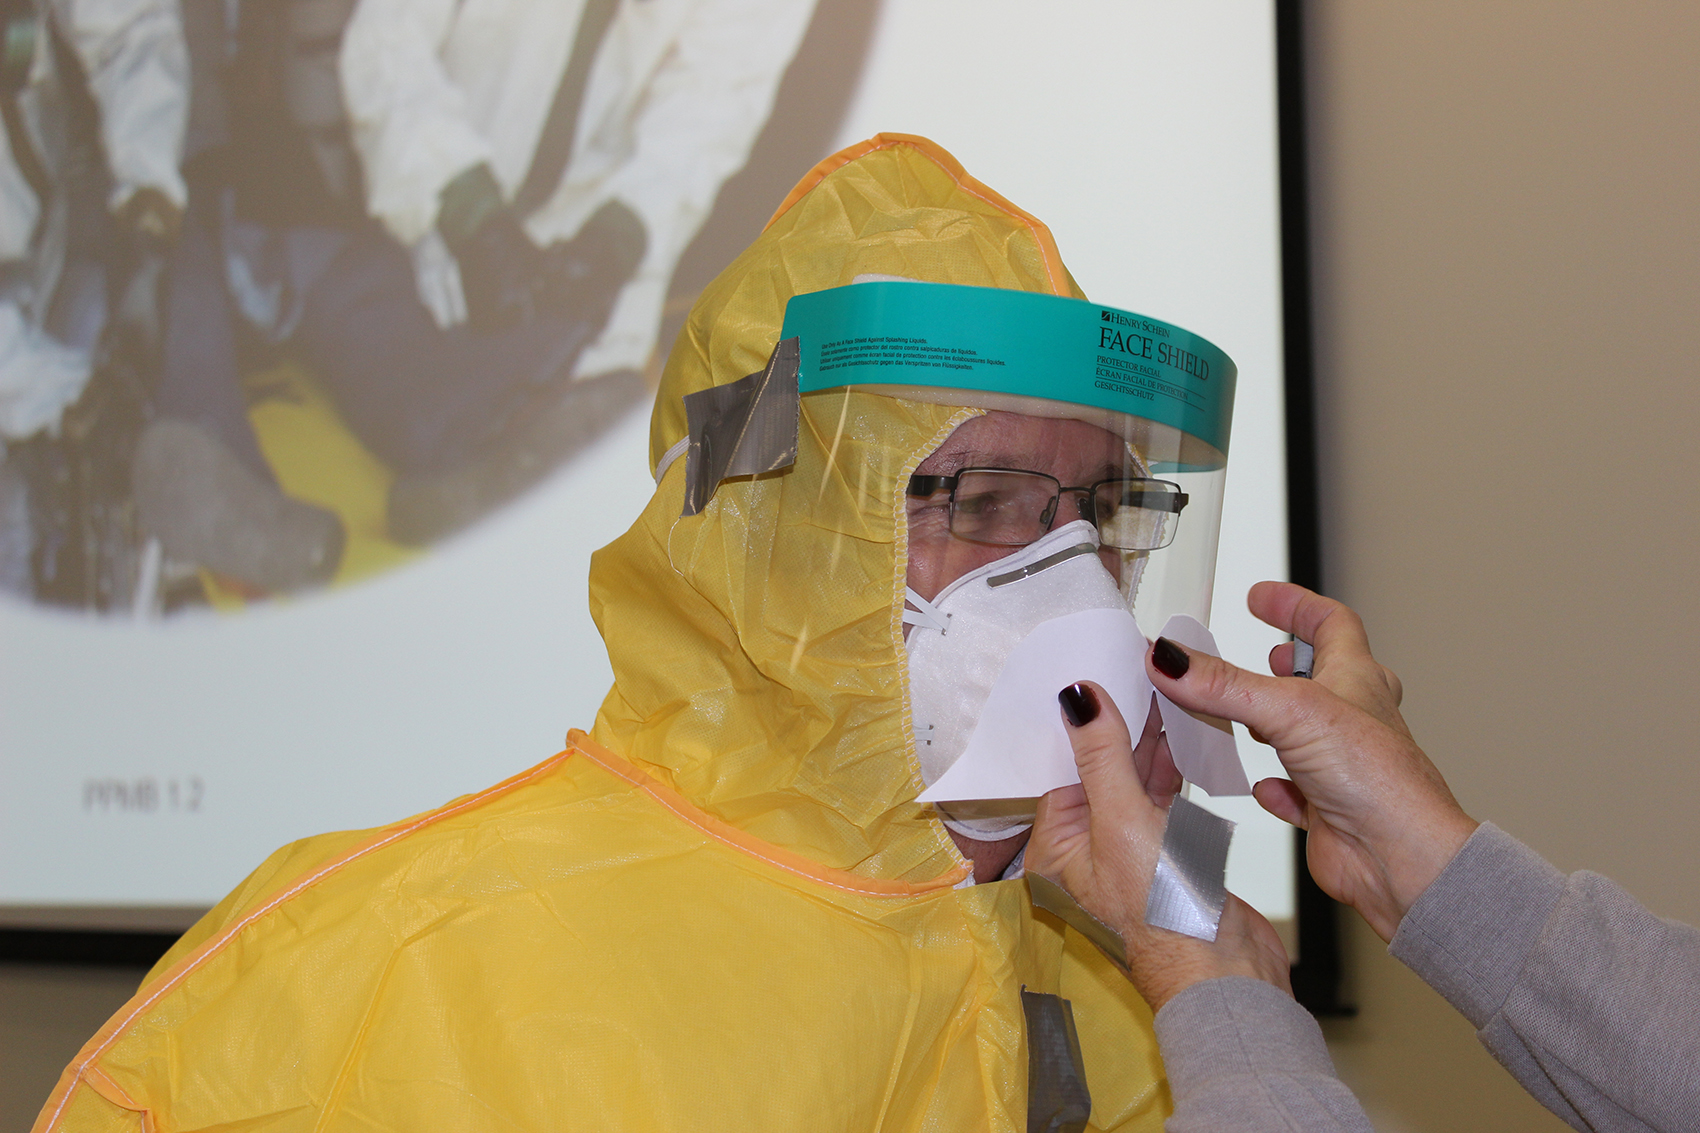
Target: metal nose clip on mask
960 642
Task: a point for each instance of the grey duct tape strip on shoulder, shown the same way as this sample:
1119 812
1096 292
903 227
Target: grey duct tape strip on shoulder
742 428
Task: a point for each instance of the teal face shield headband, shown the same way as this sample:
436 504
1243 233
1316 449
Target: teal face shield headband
1164 389
1017 344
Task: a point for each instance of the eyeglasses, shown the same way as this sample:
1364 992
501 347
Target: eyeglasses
1011 507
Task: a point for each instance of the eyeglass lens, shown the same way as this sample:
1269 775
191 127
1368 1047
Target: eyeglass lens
1015 508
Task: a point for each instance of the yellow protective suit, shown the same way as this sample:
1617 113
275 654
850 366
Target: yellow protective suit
722 911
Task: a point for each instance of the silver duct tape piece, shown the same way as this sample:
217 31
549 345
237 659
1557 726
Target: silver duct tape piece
742 428
1304 658
1054 899
1058 1100
1188 891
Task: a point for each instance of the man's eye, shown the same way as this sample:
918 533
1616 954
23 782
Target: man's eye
929 509
981 503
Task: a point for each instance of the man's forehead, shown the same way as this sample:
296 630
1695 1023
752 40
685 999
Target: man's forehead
1010 441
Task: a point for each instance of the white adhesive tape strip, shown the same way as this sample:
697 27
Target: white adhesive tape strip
1189 890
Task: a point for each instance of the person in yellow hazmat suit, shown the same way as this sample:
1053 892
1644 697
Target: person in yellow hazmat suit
724 907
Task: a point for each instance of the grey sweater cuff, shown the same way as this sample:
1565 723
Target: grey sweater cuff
1471 931
1236 1025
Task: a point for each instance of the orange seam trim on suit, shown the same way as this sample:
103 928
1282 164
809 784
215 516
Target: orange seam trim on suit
109 1034
818 173
123 1097
746 843
96 1076
934 153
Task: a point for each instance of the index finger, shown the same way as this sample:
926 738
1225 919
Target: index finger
1330 626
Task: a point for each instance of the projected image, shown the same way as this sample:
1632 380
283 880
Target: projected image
291 290
343 315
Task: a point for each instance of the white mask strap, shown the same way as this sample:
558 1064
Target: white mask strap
924 613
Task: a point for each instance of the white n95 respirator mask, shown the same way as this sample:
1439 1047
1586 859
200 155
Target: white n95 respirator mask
987 658
961 643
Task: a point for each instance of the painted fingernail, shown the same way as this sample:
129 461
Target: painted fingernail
1171 660
1079 704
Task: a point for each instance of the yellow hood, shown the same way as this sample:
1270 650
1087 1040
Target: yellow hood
757 647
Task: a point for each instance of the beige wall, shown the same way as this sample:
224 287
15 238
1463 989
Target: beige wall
1507 210
1508 288
47 1012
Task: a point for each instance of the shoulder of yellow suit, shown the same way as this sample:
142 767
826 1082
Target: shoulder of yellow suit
296 867
283 865
310 862
440 917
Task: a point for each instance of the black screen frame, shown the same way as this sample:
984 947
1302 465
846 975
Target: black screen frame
1318 975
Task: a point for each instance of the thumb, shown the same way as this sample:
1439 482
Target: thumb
1103 749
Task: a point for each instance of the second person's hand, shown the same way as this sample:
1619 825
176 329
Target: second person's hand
1382 823
1100 839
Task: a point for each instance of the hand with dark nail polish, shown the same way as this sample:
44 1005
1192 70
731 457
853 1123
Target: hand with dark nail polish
1382 823
1100 840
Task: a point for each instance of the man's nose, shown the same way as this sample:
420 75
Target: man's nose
1070 507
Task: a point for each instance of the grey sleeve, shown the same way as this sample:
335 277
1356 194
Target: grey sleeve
1242 1055
1591 1001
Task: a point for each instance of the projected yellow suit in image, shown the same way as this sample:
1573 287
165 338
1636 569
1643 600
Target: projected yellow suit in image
324 251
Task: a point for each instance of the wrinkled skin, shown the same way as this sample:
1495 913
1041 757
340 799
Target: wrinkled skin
1072 451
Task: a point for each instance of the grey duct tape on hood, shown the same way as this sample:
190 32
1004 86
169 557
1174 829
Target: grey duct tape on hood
742 428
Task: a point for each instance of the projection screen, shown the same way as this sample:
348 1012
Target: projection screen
328 335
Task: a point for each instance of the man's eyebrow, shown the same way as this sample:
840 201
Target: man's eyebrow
951 463
943 462
983 458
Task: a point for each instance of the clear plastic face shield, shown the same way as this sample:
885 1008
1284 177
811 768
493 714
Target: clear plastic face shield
1071 515
1093 415
1088 490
